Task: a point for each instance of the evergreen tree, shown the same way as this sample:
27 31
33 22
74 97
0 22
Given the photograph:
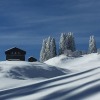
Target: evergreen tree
92 45
70 42
62 43
53 48
42 52
48 48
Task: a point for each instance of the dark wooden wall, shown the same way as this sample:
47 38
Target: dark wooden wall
20 57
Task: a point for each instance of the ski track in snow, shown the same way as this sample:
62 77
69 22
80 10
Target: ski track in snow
79 86
82 84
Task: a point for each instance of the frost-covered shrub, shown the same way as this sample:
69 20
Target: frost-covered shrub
68 53
98 51
77 53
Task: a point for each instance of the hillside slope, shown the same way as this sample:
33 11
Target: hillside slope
76 64
82 84
27 70
19 73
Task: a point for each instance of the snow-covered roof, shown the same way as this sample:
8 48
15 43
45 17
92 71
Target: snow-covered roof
15 48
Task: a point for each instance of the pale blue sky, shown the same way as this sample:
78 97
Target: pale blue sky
25 23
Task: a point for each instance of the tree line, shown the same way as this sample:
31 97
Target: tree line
66 46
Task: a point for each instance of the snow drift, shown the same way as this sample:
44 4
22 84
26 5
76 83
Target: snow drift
77 64
24 70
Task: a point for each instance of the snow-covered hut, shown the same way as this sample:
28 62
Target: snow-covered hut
32 59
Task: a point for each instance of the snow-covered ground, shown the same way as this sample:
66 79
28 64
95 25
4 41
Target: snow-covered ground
18 73
76 64
27 70
82 83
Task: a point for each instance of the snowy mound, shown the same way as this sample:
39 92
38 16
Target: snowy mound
24 70
83 63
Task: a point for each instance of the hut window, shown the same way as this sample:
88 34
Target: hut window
18 52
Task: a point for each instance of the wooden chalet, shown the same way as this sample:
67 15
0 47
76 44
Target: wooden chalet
15 54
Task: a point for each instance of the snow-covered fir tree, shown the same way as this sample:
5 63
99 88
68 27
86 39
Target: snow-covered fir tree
42 52
70 42
62 43
66 43
92 45
48 49
53 48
